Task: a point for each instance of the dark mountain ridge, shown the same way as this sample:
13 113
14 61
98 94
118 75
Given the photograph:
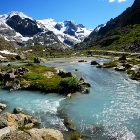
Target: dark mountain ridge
121 33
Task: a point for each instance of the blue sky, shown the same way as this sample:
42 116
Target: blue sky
87 12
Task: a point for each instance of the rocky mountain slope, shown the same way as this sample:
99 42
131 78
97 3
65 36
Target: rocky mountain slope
121 33
22 30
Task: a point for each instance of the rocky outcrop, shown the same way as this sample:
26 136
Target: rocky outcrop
84 87
45 134
40 60
20 127
17 120
10 133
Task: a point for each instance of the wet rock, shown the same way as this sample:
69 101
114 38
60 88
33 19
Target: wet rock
71 126
67 121
18 110
93 62
99 66
94 128
69 95
84 87
81 61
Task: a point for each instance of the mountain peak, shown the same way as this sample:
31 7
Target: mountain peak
17 13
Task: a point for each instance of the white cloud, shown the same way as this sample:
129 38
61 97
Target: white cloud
121 0
111 0
117 0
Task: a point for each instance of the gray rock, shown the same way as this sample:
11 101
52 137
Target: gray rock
7 131
18 110
69 74
19 57
94 128
2 106
71 126
61 72
40 60
15 85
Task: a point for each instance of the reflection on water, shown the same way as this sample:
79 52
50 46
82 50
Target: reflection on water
113 104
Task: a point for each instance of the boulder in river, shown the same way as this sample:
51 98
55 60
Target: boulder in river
93 62
18 110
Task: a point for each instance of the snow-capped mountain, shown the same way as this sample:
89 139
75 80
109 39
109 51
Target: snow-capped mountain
22 30
68 31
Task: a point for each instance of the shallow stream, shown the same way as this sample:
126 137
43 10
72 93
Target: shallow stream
113 103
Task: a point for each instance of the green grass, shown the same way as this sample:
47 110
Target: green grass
33 76
74 136
22 128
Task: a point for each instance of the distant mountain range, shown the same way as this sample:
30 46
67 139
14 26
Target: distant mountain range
121 33
22 30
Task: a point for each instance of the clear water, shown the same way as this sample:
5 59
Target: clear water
113 104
